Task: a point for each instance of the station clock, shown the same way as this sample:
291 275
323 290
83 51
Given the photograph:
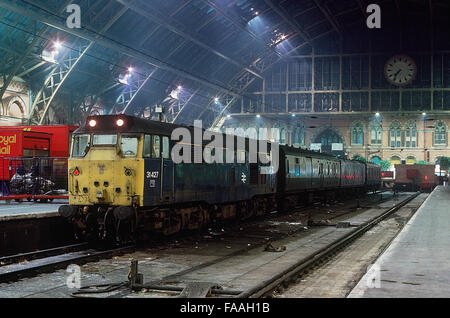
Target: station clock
400 70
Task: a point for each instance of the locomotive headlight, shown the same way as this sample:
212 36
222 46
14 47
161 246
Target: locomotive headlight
120 122
92 122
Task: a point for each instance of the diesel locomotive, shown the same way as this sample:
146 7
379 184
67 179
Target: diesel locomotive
123 182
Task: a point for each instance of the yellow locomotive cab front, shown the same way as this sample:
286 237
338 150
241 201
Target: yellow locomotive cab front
106 169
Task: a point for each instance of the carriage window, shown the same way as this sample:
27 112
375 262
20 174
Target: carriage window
105 140
166 147
297 170
80 145
156 146
129 145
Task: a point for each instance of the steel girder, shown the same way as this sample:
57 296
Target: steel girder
18 64
49 20
130 92
183 33
176 108
59 74
53 83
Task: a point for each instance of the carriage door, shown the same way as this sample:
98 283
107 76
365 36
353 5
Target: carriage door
167 168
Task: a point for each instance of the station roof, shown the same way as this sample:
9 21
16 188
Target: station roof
190 56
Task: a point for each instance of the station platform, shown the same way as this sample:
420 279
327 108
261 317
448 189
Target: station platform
29 226
29 210
416 262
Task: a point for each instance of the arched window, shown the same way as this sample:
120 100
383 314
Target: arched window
395 134
395 160
440 133
357 134
376 160
375 133
281 134
298 137
410 160
411 134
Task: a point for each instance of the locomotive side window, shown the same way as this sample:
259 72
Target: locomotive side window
147 144
129 145
152 147
80 145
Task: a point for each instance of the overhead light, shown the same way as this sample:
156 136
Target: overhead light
424 114
216 100
179 87
57 45
92 122
120 122
257 116
130 69
377 114
292 115
228 116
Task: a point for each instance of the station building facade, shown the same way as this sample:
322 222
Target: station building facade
397 138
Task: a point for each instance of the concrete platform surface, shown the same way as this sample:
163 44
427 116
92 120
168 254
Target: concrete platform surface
28 210
416 264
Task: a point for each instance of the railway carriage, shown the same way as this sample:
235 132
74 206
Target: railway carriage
123 179
373 173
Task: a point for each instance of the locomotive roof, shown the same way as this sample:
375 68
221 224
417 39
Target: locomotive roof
107 124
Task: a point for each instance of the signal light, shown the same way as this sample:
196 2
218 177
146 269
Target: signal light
76 172
92 123
120 122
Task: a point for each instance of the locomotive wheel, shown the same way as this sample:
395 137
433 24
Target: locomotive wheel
172 225
92 233
109 231
125 231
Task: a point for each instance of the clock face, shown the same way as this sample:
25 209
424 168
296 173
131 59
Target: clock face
400 70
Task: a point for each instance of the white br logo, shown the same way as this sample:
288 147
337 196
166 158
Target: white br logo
243 177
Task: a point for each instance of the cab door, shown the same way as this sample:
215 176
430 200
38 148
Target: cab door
152 170
167 169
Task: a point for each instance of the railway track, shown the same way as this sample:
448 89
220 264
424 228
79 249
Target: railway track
21 257
171 283
291 273
42 262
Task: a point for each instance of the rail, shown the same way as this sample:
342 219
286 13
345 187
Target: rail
270 284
